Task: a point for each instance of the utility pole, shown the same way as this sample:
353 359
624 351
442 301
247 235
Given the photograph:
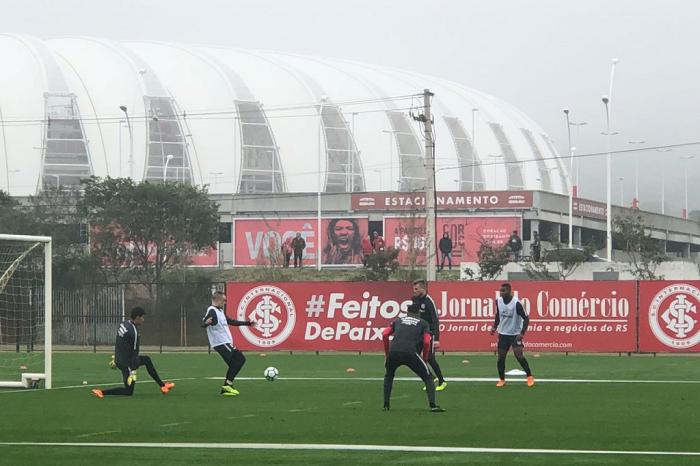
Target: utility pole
430 251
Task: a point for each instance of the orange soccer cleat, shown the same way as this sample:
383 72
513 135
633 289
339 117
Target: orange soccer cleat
167 387
501 383
98 393
530 381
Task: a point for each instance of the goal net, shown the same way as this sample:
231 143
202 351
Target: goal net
25 311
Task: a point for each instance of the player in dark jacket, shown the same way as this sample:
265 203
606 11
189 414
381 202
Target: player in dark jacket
411 336
428 312
127 358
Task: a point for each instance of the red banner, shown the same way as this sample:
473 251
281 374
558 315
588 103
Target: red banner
387 201
669 314
207 258
259 241
342 316
408 235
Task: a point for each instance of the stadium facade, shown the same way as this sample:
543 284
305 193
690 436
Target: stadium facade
245 121
256 126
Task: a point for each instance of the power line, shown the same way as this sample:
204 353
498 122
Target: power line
232 113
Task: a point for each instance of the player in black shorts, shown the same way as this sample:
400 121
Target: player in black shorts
411 335
511 323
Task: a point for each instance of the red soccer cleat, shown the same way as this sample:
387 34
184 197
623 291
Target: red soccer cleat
167 387
98 393
530 381
501 383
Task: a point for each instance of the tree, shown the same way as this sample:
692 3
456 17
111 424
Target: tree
644 252
565 260
492 259
380 266
13 219
148 227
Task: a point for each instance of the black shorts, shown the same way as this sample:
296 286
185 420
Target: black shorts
506 341
396 359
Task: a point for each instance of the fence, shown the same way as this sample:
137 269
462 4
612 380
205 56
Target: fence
89 316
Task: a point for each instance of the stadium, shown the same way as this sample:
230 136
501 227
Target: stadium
266 132
245 121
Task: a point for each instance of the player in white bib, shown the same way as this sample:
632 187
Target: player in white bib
221 340
511 324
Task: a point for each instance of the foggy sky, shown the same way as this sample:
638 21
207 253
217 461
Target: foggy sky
540 56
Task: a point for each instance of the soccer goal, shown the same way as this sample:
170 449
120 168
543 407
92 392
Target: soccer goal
25 311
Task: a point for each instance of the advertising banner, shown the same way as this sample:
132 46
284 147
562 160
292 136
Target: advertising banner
669 316
259 241
408 235
341 316
388 201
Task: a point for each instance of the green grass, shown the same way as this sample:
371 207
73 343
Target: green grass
581 416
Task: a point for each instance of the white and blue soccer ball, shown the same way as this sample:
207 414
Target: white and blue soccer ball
271 373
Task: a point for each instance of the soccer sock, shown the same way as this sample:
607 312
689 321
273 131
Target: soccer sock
436 369
152 371
430 391
501 365
235 365
388 384
524 365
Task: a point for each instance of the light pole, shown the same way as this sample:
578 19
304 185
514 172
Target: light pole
608 181
168 158
121 125
318 198
571 181
635 202
607 101
685 173
391 133
474 110
663 182
131 141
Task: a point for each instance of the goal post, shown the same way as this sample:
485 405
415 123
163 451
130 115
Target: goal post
25 311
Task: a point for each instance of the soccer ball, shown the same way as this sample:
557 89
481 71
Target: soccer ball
271 373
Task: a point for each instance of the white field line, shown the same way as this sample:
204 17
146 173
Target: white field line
376 379
300 410
242 416
173 424
473 379
107 384
352 403
93 434
337 447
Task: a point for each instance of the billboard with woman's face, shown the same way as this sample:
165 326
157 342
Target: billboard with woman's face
259 241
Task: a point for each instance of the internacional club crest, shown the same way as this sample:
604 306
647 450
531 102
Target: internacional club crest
673 316
274 311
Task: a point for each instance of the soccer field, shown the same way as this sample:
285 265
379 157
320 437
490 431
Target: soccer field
607 404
